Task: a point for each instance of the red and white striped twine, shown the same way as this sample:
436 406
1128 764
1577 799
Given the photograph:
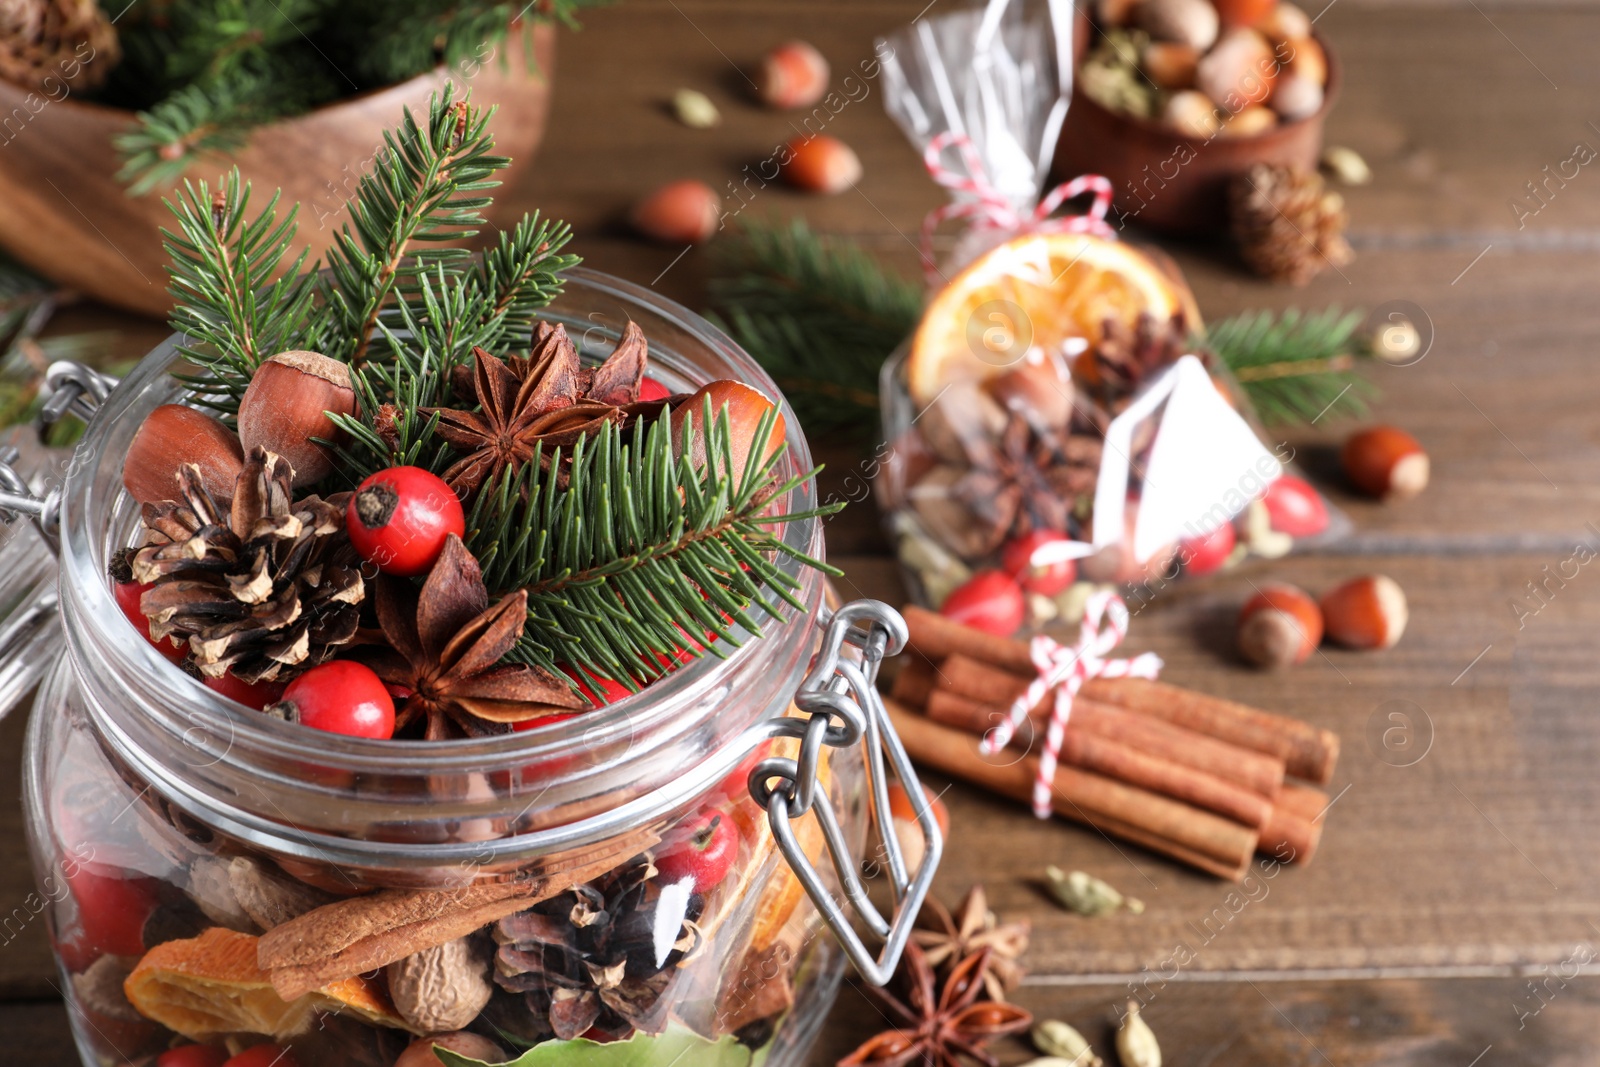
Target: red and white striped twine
1064 669
989 209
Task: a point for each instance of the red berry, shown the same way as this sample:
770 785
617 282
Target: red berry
264 1056
1208 552
597 691
1052 578
399 519
111 913
341 697
252 695
193 1056
544 720
650 389
1294 507
127 596
990 601
703 848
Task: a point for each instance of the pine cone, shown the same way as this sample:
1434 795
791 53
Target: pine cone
69 40
1289 225
262 591
586 959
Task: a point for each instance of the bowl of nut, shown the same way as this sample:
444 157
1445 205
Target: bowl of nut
1174 100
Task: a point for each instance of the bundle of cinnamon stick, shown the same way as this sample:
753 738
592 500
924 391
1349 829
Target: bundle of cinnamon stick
1194 777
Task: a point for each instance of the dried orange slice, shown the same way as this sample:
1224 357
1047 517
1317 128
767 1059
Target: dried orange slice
1036 293
210 985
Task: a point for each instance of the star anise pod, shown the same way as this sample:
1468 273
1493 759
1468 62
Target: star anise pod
947 938
939 1021
1126 356
549 398
1027 481
446 643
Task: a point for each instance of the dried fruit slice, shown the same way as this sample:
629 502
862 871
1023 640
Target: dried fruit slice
1037 292
211 984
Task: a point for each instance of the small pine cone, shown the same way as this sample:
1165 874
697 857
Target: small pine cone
1288 224
70 41
262 589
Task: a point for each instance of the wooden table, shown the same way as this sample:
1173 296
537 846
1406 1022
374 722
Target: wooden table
1455 898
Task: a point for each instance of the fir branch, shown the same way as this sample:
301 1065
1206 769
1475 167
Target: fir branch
423 188
520 273
221 263
820 316
1295 367
641 552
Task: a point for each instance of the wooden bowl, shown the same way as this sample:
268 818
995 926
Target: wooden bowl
64 214
1176 184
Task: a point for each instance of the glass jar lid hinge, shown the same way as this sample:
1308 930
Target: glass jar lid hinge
69 388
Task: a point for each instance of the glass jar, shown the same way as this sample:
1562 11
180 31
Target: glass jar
211 875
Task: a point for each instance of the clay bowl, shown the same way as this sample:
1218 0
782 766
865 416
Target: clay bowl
64 214
1172 183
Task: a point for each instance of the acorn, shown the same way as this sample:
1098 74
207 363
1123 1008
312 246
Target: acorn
794 74
821 164
681 212
1366 613
1386 463
171 436
288 402
745 407
1280 626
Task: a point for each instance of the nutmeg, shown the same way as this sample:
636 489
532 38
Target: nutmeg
1366 612
1170 64
288 402
1238 71
1190 22
1281 625
1386 463
171 436
1192 114
1041 392
947 518
744 406
444 987
420 1053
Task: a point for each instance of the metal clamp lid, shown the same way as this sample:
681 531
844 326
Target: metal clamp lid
843 708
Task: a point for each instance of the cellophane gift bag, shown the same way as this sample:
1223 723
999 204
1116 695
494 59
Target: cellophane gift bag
1055 423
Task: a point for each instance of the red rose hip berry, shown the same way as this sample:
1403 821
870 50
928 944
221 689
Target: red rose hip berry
264 1056
340 697
1208 552
990 601
1048 580
399 519
1294 507
193 1056
705 848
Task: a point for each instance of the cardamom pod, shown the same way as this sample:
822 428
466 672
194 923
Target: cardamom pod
695 109
1346 164
1136 1042
1082 892
1060 1042
1052 1061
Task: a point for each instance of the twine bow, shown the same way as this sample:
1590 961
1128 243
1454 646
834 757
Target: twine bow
1064 669
988 208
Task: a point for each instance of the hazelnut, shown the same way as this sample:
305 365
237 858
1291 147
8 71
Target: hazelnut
1386 463
682 212
907 831
820 164
1243 12
420 1053
1114 14
1295 97
1041 392
1366 612
1283 22
1190 22
1238 71
1192 114
1170 65
288 402
744 406
171 436
1303 56
794 74
1249 122
1281 625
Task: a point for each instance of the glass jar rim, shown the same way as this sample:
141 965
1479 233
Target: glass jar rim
225 730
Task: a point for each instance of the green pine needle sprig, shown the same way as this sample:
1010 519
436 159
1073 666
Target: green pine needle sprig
1296 366
821 316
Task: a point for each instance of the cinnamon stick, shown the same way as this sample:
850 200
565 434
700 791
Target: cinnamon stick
1126 763
1162 824
937 638
914 681
1295 829
1307 751
975 681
